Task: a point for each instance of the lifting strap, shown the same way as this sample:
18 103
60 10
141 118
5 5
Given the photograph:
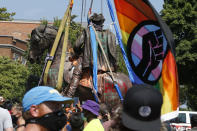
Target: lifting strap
63 56
94 53
53 50
90 9
112 76
94 37
129 69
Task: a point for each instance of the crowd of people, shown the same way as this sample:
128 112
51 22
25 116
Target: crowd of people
43 108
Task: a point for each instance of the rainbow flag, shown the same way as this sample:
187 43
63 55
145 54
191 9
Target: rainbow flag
150 50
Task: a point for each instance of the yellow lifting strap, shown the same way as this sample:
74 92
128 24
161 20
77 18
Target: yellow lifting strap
55 44
61 68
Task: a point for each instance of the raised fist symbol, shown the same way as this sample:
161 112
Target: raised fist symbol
152 53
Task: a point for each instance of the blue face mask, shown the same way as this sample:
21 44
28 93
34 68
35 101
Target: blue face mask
52 121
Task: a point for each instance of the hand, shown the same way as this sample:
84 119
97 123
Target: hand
79 106
152 53
108 116
20 121
21 124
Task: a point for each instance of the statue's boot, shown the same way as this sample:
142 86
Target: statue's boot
75 79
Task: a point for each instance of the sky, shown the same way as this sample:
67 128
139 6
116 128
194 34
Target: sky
49 9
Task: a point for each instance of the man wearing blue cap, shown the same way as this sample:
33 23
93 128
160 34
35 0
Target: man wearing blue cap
42 109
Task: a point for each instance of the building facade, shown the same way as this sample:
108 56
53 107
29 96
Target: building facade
14 36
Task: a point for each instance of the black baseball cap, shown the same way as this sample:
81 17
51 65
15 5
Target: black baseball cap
76 120
142 108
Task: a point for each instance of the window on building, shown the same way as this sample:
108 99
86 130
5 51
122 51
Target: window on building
16 57
24 61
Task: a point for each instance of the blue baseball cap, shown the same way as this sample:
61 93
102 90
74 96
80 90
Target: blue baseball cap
40 94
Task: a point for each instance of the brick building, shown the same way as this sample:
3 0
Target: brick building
14 36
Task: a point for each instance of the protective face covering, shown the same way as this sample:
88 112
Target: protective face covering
52 121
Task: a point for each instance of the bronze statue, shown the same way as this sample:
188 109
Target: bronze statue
83 51
75 73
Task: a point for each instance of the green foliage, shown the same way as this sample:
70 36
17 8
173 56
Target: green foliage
183 109
183 92
188 95
44 21
120 61
13 77
192 99
4 15
74 30
181 16
56 22
35 70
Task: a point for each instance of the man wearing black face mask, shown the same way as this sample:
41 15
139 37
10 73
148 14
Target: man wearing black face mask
42 107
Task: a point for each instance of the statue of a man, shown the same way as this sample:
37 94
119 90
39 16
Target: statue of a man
82 49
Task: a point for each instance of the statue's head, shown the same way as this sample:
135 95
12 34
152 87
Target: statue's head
97 19
42 38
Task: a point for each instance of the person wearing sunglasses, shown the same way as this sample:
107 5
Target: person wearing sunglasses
43 111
